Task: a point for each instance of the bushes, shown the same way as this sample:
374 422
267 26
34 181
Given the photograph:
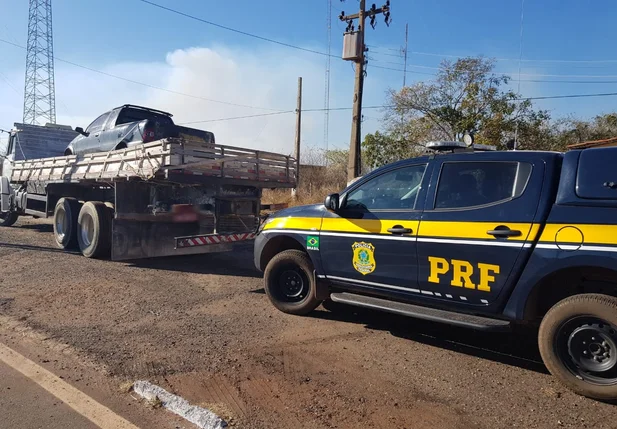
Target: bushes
321 173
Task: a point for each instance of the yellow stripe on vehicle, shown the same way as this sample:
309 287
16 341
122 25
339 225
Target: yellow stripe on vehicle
471 230
367 226
575 233
302 223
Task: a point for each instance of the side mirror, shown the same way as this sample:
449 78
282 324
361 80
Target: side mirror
81 131
332 202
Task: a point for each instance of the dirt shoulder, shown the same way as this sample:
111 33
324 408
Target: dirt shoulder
202 327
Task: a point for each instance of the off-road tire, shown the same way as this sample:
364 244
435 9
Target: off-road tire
290 284
94 230
8 218
65 222
554 329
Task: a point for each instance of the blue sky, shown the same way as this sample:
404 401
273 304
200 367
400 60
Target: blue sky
134 40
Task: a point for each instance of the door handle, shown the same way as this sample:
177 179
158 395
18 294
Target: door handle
504 231
400 230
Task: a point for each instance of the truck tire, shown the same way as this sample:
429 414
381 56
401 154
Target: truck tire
94 230
65 222
578 344
8 218
289 283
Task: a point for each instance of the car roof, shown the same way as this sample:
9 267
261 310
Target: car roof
133 106
479 155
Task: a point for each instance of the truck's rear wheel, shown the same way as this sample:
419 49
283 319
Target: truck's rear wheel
94 230
578 344
289 282
65 222
8 218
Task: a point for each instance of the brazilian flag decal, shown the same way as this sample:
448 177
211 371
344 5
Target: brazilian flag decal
312 242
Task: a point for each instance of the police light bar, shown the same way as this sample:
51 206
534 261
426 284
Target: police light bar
445 145
452 146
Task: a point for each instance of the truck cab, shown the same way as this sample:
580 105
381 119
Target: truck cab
485 240
27 142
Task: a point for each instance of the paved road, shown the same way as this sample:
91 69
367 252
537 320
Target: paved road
26 405
202 327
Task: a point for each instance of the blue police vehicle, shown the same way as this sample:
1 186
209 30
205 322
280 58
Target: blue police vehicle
482 239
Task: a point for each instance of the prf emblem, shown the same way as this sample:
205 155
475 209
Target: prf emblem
363 257
461 273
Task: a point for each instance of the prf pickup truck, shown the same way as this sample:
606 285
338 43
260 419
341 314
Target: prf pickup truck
486 240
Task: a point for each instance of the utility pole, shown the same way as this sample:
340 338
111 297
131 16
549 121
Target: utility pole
294 191
353 50
405 52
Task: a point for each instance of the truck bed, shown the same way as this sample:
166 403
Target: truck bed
193 160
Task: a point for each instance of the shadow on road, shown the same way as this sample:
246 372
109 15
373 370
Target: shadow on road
35 248
39 227
511 348
236 263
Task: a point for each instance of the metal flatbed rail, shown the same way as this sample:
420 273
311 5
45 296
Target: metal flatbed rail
159 159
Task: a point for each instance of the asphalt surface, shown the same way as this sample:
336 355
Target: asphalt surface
25 405
202 327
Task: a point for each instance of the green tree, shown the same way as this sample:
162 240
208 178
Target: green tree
467 96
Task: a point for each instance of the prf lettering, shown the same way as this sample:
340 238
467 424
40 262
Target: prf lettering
462 272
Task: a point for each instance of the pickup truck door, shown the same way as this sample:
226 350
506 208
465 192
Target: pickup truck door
90 143
108 138
477 230
371 242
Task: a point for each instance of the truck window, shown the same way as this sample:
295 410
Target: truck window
98 123
394 190
596 168
135 115
470 184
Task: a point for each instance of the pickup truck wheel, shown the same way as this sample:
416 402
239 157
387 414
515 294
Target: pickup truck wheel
8 218
94 230
289 283
578 344
65 222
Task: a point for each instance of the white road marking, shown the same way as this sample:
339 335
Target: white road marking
74 398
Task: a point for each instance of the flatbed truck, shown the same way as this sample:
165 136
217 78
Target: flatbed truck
174 196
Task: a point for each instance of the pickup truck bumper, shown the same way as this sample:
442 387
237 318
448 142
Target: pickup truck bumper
260 243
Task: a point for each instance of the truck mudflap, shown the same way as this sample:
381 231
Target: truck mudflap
212 239
133 240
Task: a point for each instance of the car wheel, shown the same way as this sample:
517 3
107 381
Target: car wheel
94 230
290 284
578 344
65 222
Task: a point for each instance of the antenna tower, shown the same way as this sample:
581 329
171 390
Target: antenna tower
39 92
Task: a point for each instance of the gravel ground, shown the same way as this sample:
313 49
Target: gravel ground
203 328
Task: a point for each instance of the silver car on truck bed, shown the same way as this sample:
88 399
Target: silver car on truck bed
130 125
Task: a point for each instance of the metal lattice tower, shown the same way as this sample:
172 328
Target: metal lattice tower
39 93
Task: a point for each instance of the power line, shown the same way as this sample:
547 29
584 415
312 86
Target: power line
384 106
371 51
8 82
146 84
552 97
401 70
238 117
522 74
224 27
525 60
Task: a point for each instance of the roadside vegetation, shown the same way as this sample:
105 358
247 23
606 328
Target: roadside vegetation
467 96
